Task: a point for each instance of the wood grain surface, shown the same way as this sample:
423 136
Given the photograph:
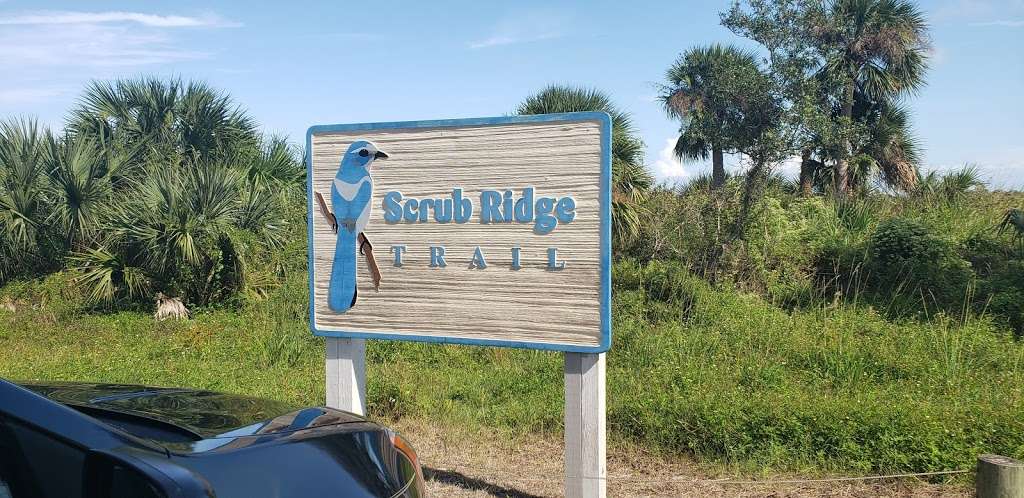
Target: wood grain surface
533 304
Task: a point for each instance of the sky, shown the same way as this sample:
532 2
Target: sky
300 63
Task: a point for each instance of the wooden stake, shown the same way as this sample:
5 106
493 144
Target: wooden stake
346 374
585 470
999 477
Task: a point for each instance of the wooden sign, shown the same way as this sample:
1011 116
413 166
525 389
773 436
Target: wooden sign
490 231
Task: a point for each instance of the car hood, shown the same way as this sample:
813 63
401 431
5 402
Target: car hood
206 414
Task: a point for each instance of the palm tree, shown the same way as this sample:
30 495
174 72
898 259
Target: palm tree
877 48
1013 223
700 93
191 122
154 186
184 232
630 179
78 188
891 150
23 210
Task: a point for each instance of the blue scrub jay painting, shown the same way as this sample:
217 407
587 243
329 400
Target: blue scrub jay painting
351 196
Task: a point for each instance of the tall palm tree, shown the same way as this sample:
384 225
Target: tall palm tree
698 94
877 48
630 179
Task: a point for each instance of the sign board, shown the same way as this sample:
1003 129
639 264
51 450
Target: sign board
488 231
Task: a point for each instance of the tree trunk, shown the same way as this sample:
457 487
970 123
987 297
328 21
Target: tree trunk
805 173
717 168
751 193
841 178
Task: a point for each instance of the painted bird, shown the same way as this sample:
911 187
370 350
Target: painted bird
350 199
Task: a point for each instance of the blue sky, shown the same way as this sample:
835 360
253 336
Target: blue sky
298 63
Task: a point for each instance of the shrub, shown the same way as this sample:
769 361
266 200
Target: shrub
909 262
141 198
900 242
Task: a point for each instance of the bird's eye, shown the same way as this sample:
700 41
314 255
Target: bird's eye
364 152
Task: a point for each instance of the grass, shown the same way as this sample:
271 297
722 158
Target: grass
694 369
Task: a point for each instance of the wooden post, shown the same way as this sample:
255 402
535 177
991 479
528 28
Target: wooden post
346 374
585 470
999 477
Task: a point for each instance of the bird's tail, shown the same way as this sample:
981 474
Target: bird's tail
342 293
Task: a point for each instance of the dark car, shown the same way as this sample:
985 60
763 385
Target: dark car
71 440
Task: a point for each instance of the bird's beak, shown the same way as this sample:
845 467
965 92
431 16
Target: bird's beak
380 155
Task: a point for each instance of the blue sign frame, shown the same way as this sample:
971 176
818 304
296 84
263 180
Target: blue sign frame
605 197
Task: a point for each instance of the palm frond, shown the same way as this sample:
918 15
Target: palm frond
106 277
79 187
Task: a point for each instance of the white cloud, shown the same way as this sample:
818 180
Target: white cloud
1003 23
47 55
667 166
97 39
153 20
498 40
88 45
937 55
524 28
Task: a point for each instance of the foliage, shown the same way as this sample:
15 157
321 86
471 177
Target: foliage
694 369
22 209
183 122
897 242
1013 222
844 66
908 259
724 101
630 178
155 186
906 255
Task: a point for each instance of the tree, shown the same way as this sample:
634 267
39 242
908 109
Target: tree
890 149
184 232
833 57
705 92
781 27
78 188
874 47
630 179
727 102
886 150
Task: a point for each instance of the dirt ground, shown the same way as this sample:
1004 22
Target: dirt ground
460 464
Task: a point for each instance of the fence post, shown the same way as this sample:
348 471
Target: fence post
585 469
999 477
346 374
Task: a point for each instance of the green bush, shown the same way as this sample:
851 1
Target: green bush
140 198
900 243
914 269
